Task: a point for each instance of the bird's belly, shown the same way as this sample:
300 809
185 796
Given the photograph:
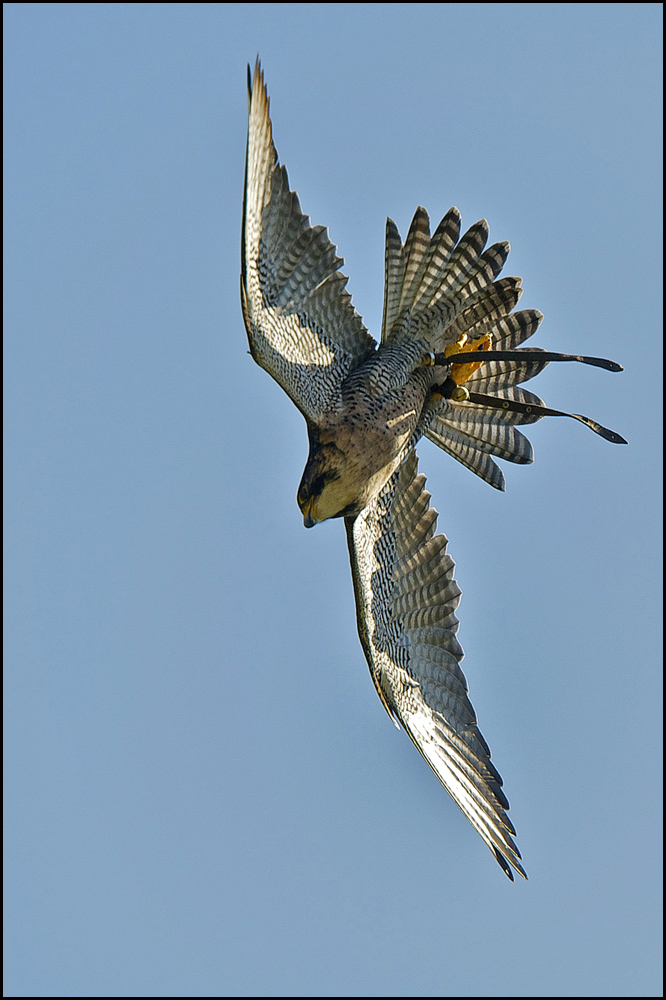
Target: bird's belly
374 442
357 448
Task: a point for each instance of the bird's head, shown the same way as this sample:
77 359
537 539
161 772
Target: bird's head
325 490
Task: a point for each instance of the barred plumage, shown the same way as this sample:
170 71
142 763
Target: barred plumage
436 372
301 324
401 571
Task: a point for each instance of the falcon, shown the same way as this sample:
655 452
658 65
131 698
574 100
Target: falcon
449 367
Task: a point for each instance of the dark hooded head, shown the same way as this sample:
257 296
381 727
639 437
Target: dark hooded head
324 490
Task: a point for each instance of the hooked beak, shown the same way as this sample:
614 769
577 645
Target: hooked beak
308 519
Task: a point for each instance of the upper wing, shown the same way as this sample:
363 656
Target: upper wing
300 322
405 602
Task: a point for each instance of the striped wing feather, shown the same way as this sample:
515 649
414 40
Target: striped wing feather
300 322
406 599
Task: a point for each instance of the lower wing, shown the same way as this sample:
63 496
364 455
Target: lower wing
406 599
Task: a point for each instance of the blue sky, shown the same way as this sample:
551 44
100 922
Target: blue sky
203 794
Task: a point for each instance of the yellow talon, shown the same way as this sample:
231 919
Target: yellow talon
460 372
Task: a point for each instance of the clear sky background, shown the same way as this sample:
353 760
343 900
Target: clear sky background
204 795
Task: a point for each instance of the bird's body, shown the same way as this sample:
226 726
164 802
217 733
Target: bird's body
360 443
367 406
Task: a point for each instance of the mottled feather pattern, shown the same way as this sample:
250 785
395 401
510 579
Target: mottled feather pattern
439 290
301 325
400 360
519 395
407 597
311 259
329 306
513 330
471 433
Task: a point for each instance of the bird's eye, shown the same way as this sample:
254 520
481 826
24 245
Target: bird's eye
303 494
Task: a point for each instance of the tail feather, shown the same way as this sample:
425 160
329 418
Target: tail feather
497 375
438 286
499 440
466 431
415 252
483 310
444 289
442 315
460 447
394 273
515 329
442 243
468 249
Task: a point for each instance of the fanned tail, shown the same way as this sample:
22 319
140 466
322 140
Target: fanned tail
440 287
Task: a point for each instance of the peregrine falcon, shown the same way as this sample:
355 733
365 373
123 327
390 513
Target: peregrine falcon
448 367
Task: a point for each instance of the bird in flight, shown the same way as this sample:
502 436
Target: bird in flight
449 367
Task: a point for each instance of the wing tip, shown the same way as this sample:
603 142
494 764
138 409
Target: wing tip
507 867
255 82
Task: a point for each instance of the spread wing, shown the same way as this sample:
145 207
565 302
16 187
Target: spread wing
299 318
405 602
